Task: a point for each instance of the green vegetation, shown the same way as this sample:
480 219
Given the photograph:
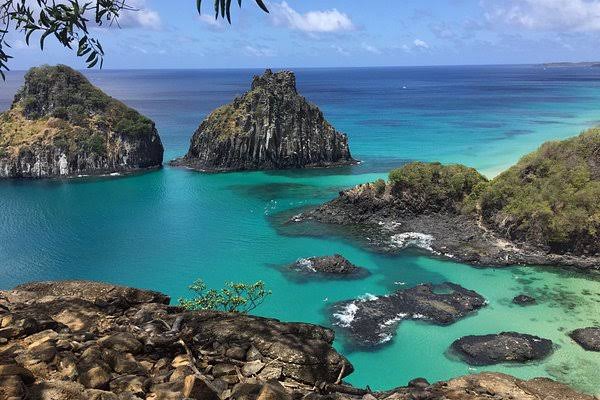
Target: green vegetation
234 297
551 197
379 186
446 186
58 106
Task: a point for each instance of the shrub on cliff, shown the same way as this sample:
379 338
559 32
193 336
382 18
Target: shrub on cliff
234 297
435 186
551 197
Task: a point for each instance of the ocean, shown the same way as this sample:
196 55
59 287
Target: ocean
164 229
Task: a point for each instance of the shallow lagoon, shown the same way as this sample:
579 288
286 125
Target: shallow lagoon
164 229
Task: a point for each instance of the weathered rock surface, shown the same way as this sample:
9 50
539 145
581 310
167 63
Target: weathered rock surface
524 300
335 266
60 125
503 347
373 320
269 127
588 338
86 340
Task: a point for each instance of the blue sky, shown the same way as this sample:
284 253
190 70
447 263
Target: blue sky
310 33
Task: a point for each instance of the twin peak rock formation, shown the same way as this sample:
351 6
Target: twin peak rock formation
60 125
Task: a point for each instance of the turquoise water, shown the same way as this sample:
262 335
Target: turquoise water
164 229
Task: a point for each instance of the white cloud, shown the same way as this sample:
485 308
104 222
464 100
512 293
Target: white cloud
311 22
340 50
258 51
559 15
371 49
420 44
140 17
211 22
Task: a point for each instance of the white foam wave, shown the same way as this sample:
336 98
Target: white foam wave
346 315
305 263
415 239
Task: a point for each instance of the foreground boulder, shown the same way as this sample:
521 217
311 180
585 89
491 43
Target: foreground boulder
372 320
269 127
502 347
60 125
588 338
85 340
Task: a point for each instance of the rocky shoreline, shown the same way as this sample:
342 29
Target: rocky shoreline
85 340
385 224
330 267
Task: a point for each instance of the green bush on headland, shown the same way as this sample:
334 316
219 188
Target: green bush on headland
444 186
550 198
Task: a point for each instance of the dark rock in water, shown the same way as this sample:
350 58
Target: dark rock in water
502 347
60 125
269 127
588 338
524 300
372 320
331 266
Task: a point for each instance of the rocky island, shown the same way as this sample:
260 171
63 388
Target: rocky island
269 127
502 348
335 266
371 321
60 125
542 211
86 340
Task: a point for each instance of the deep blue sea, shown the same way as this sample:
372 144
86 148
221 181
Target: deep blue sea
164 229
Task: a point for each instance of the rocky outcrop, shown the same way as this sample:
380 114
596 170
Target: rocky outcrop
524 300
60 125
438 208
85 340
588 338
269 127
335 266
500 348
372 320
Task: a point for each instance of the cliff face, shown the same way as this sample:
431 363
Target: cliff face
269 127
87 340
60 125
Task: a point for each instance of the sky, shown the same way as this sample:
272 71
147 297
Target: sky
335 33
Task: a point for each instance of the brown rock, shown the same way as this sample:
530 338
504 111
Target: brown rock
56 390
199 389
180 373
95 378
180 361
123 342
273 390
252 368
11 386
223 369
271 372
23 373
246 391
129 383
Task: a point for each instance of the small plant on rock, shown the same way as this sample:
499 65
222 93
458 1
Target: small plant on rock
234 297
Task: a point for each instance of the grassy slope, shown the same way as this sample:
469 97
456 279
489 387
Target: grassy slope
58 106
